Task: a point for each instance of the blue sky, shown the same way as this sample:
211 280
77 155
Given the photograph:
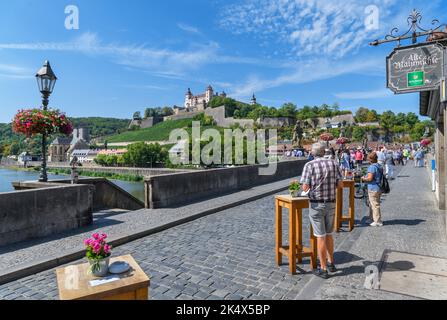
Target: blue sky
128 55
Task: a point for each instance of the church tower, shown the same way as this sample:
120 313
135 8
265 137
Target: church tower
209 94
253 100
188 98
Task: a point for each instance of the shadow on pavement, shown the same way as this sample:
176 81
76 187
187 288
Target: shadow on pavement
398 266
405 222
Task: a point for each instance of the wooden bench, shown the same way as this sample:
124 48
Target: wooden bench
339 217
295 251
74 283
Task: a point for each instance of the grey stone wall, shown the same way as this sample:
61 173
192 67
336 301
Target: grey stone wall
146 123
176 189
106 195
131 171
277 122
222 121
41 212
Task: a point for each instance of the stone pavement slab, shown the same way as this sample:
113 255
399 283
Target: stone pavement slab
25 258
231 254
411 224
414 275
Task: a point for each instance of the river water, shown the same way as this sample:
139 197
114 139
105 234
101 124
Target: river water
7 176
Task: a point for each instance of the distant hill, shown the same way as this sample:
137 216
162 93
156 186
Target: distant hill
159 132
97 127
101 126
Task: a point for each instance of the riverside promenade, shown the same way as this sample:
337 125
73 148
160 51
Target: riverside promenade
230 254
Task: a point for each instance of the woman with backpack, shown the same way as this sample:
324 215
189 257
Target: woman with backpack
374 180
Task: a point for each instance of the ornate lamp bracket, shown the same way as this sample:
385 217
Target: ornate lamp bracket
414 32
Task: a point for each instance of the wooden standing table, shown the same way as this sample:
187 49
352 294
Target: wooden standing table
295 249
74 283
339 217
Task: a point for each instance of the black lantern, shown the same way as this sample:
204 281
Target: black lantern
46 79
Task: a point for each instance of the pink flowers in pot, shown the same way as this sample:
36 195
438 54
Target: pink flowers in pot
326 137
342 140
97 247
37 121
425 142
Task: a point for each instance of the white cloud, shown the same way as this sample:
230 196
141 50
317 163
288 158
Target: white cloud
15 72
361 95
188 28
310 71
161 62
331 28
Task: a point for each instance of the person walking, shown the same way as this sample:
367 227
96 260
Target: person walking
381 156
320 179
359 157
374 178
406 156
389 165
344 161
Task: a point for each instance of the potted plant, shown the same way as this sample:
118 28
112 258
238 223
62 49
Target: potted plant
294 188
36 121
98 254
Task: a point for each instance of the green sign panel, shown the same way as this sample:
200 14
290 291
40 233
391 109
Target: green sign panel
415 79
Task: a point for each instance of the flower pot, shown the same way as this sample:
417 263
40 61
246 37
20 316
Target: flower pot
294 193
99 267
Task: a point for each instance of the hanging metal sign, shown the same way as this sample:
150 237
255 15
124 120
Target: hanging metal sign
415 68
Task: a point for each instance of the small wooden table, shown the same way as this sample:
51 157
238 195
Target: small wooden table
339 217
295 250
74 283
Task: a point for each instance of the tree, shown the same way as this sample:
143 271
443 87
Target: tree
14 149
361 115
412 119
167 111
387 121
137 115
141 154
287 110
358 134
372 116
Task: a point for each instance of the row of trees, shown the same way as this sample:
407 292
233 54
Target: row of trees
138 154
241 110
154 112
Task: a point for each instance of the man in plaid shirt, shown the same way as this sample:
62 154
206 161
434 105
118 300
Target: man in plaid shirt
320 178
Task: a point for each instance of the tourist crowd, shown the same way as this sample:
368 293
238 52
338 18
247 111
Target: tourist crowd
324 173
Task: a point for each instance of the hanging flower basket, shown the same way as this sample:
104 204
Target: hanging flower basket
326 137
342 140
37 121
425 142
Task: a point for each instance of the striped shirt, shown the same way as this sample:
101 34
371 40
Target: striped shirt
322 175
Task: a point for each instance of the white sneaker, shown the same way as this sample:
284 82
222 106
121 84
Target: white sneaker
376 224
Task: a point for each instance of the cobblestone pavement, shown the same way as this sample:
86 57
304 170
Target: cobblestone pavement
118 224
230 255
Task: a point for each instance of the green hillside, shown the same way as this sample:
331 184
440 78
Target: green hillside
13 144
159 132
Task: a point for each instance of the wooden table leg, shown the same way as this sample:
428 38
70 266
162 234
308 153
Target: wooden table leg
351 208
292 239
299 233
142 294
278 232
338 209
313 247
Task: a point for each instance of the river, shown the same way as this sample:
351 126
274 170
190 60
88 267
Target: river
7 176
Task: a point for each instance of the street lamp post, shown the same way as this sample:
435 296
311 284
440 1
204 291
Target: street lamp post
46 80
328 124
